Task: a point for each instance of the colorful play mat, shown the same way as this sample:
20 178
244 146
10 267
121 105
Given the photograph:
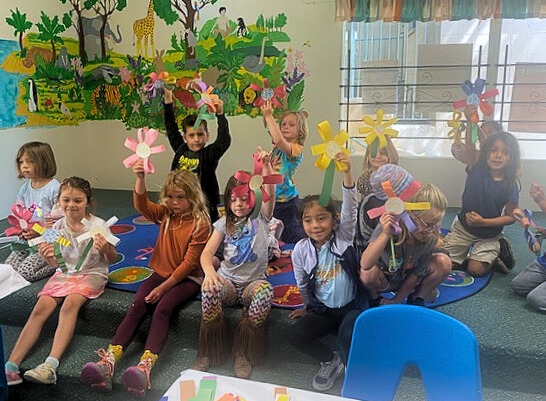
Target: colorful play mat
138 237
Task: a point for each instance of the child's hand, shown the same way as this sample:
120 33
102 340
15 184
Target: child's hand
168 95
474 219
537 193
387 222
262 155
100 243
344 159
469 110
219 104
46 250
138 168
297 313
212 282
154 296
29 234
267 109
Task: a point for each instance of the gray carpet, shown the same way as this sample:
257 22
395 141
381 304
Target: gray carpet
511 336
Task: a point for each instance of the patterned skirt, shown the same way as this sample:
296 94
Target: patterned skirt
90 286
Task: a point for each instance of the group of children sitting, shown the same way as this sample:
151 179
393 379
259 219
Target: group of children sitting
343 261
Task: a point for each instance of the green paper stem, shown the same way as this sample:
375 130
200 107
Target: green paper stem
202 114
327 185
393 255
374 147
257 203
84 254
59 257
474 133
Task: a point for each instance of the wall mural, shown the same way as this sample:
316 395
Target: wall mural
51 78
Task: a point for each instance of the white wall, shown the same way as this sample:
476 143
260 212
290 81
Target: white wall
95 150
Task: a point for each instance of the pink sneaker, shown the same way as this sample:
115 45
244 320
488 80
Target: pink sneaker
99 375
136 379
13 378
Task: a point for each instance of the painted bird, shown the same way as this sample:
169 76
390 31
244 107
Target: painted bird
307 43
63 109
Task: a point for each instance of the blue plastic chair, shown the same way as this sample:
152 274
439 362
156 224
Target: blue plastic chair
3 381
388 338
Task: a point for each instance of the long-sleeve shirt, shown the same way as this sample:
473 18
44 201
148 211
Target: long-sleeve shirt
179 243
204 162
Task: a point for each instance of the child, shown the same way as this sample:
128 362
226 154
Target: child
239 280
288 141
372 162
492 186
531 282
192 154
326 270
184 227
35 162
408 269
86 278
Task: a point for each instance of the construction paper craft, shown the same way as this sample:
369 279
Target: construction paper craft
202 114
186 98
207 97
19 219
158 81
48 235
143 149
534 240
377 130
187 390
477 97
37 212
457 127
253 186
282 397
229 397
102 229
208 384
269 94
9 240
327 151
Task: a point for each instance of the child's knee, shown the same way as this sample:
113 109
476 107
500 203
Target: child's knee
441 263
477 269
537 299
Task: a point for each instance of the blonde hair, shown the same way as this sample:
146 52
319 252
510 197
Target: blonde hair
42 156
301 121
426 193
187 182
392 155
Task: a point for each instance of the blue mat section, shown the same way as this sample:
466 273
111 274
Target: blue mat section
138 238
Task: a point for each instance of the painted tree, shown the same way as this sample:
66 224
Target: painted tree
280 21
182 11
20 23
104 8
49 31
78 25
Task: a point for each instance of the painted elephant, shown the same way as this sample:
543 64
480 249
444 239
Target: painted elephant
91 32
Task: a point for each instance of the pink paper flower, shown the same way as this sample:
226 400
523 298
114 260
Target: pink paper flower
143 149
19 220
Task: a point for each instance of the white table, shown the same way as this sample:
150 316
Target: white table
247 389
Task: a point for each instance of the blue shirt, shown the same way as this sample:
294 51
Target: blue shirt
333 286
286 166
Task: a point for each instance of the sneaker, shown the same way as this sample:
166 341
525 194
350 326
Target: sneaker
417 301
242 367
328 373
136 379
202 363
501 267
43 373
13 378
506 255
99 375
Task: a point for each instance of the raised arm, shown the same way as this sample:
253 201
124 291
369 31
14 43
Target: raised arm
471 154
373 251
274 130
173 132
267 207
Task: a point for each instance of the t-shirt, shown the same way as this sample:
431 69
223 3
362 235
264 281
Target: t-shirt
95 261
487 197
45 197
287 166
333 286
245 251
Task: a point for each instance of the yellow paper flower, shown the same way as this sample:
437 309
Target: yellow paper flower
378 129
331 146
457 127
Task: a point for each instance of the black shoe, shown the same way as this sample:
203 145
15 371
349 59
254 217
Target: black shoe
417 301
506 254
501 267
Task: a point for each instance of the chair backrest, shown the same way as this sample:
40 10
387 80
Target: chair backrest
3 380
388 338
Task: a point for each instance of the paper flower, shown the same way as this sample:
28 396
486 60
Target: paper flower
102 229
377 130
48 235
19 219
534 241
158 81
398 205
457 127
143 149
475 97
327 150
268 93
253 186
207 97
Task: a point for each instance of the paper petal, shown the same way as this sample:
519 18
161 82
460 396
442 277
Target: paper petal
130 161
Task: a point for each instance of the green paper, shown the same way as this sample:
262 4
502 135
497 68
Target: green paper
327 184
202 114
374 147
208 385
84 255
257 203
59 257
474 133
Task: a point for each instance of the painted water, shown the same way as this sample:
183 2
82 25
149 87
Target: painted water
10 90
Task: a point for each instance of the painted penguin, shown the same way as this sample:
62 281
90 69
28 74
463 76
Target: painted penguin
32 96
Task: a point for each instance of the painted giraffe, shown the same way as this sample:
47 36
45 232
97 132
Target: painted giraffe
143 29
